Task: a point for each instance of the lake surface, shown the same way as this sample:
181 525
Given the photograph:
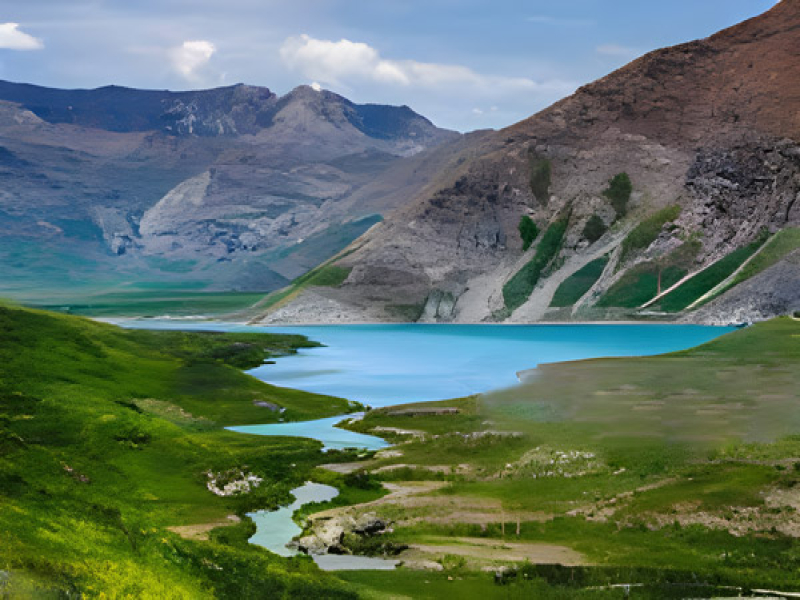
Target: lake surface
381 365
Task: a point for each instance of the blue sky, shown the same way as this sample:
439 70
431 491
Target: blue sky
465 64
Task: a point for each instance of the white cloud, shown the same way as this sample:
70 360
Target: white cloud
617 51
346 62
316 86
191 57
11 38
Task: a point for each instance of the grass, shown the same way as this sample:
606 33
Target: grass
640 284
155 303
646 232
782 243
682 448
706 280
325 275
517 289
105 438
575 286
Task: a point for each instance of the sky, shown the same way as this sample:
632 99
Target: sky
464 64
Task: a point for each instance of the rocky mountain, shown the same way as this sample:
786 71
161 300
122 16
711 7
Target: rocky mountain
668 189
229 188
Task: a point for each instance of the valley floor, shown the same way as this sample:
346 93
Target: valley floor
678 472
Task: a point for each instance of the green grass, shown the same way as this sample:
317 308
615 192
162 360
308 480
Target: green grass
706 280
105 438
517 290
646 232
640 284
710 430
782 243
155 303
575 286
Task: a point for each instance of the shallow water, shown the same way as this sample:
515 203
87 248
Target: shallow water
275 529
323 430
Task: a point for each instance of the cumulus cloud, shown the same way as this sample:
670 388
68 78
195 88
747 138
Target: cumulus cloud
345 62
12 38
191 57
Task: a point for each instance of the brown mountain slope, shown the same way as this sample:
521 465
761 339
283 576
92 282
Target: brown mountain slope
709 126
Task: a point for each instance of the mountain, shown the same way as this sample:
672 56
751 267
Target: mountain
233 188
668 189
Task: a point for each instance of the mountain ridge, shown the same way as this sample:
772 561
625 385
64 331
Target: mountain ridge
709 126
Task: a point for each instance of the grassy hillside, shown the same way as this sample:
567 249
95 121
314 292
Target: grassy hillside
106 439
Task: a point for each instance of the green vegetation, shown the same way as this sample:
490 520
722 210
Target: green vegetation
520 286
781 244
646 232
646 467
640 284
541 171
325 275
706 280
527 231
594 229
154 303
106 436
575 286
619 192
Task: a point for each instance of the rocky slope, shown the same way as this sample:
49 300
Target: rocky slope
230 188
708 133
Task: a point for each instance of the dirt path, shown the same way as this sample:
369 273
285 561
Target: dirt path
200 531
497 550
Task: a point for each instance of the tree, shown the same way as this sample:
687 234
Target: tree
594 228
527 231
619 192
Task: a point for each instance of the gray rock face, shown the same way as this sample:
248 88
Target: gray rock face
235 187
775 291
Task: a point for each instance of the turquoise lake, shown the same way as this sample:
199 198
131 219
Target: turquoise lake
381 365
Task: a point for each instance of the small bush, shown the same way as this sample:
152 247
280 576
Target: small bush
541 171
527 231
619 192
646 232
594 228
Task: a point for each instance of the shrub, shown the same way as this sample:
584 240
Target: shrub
619 192
520 286
646 232
527 231
594 228
540 178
